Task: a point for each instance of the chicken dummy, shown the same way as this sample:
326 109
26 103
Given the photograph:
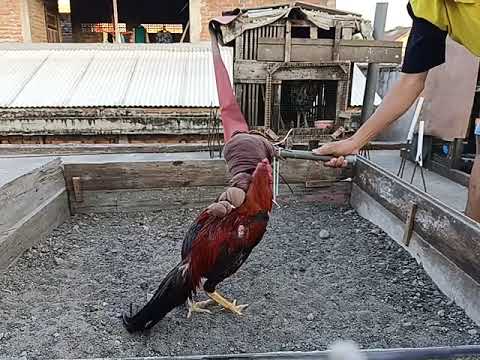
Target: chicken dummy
222 237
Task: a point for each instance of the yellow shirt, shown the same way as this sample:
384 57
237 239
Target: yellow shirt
461 18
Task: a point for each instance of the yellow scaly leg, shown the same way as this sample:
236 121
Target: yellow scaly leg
232 306
198 307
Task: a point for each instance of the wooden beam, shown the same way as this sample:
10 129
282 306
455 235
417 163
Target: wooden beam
147 175
347 33
288 42
300 23
319 50
252 71
239 48
336 44
450 232
131 175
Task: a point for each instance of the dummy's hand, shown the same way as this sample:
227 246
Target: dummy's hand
338 149
232 198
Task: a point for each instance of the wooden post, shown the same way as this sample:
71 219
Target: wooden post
268 101
115 22
77 188
455 154
288 41
336 42
407 235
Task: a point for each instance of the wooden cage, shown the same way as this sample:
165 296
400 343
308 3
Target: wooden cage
291 73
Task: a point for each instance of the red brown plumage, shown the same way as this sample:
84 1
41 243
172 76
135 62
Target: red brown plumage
213 249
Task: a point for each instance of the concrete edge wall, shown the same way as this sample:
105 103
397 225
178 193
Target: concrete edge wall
92 121
33 204
451 280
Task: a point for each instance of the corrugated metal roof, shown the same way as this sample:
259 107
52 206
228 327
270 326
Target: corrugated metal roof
125 75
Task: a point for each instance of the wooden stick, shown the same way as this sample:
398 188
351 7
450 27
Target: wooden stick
77 188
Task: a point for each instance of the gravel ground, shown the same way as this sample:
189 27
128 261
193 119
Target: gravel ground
320 274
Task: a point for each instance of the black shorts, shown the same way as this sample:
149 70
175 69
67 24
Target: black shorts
425 47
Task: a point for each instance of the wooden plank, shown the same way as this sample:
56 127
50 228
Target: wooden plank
239 48
255 103
308 53
249 70
271 52
195 197
254 43
371 43
336 43
31 229
300 23
317 50
299 171
370 54
147 175
347 33
239 94
25 193
145 199
450 232
407 236
252 71
288 42
313 32
177 174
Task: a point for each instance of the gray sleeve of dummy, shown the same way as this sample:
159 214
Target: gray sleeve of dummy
242 154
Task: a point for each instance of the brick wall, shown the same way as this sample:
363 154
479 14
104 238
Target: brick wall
10 21
212 8
37 20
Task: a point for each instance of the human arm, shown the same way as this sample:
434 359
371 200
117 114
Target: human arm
399 99
425 50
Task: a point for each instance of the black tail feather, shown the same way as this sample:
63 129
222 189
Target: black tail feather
174 290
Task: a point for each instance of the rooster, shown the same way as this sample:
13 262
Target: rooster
213 249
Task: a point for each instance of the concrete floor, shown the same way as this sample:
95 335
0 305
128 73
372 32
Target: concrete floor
445 190
449 192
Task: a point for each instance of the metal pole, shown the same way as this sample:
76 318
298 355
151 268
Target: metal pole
372 73
308 155
115 22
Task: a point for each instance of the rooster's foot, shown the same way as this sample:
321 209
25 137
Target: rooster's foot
198 307
232 306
